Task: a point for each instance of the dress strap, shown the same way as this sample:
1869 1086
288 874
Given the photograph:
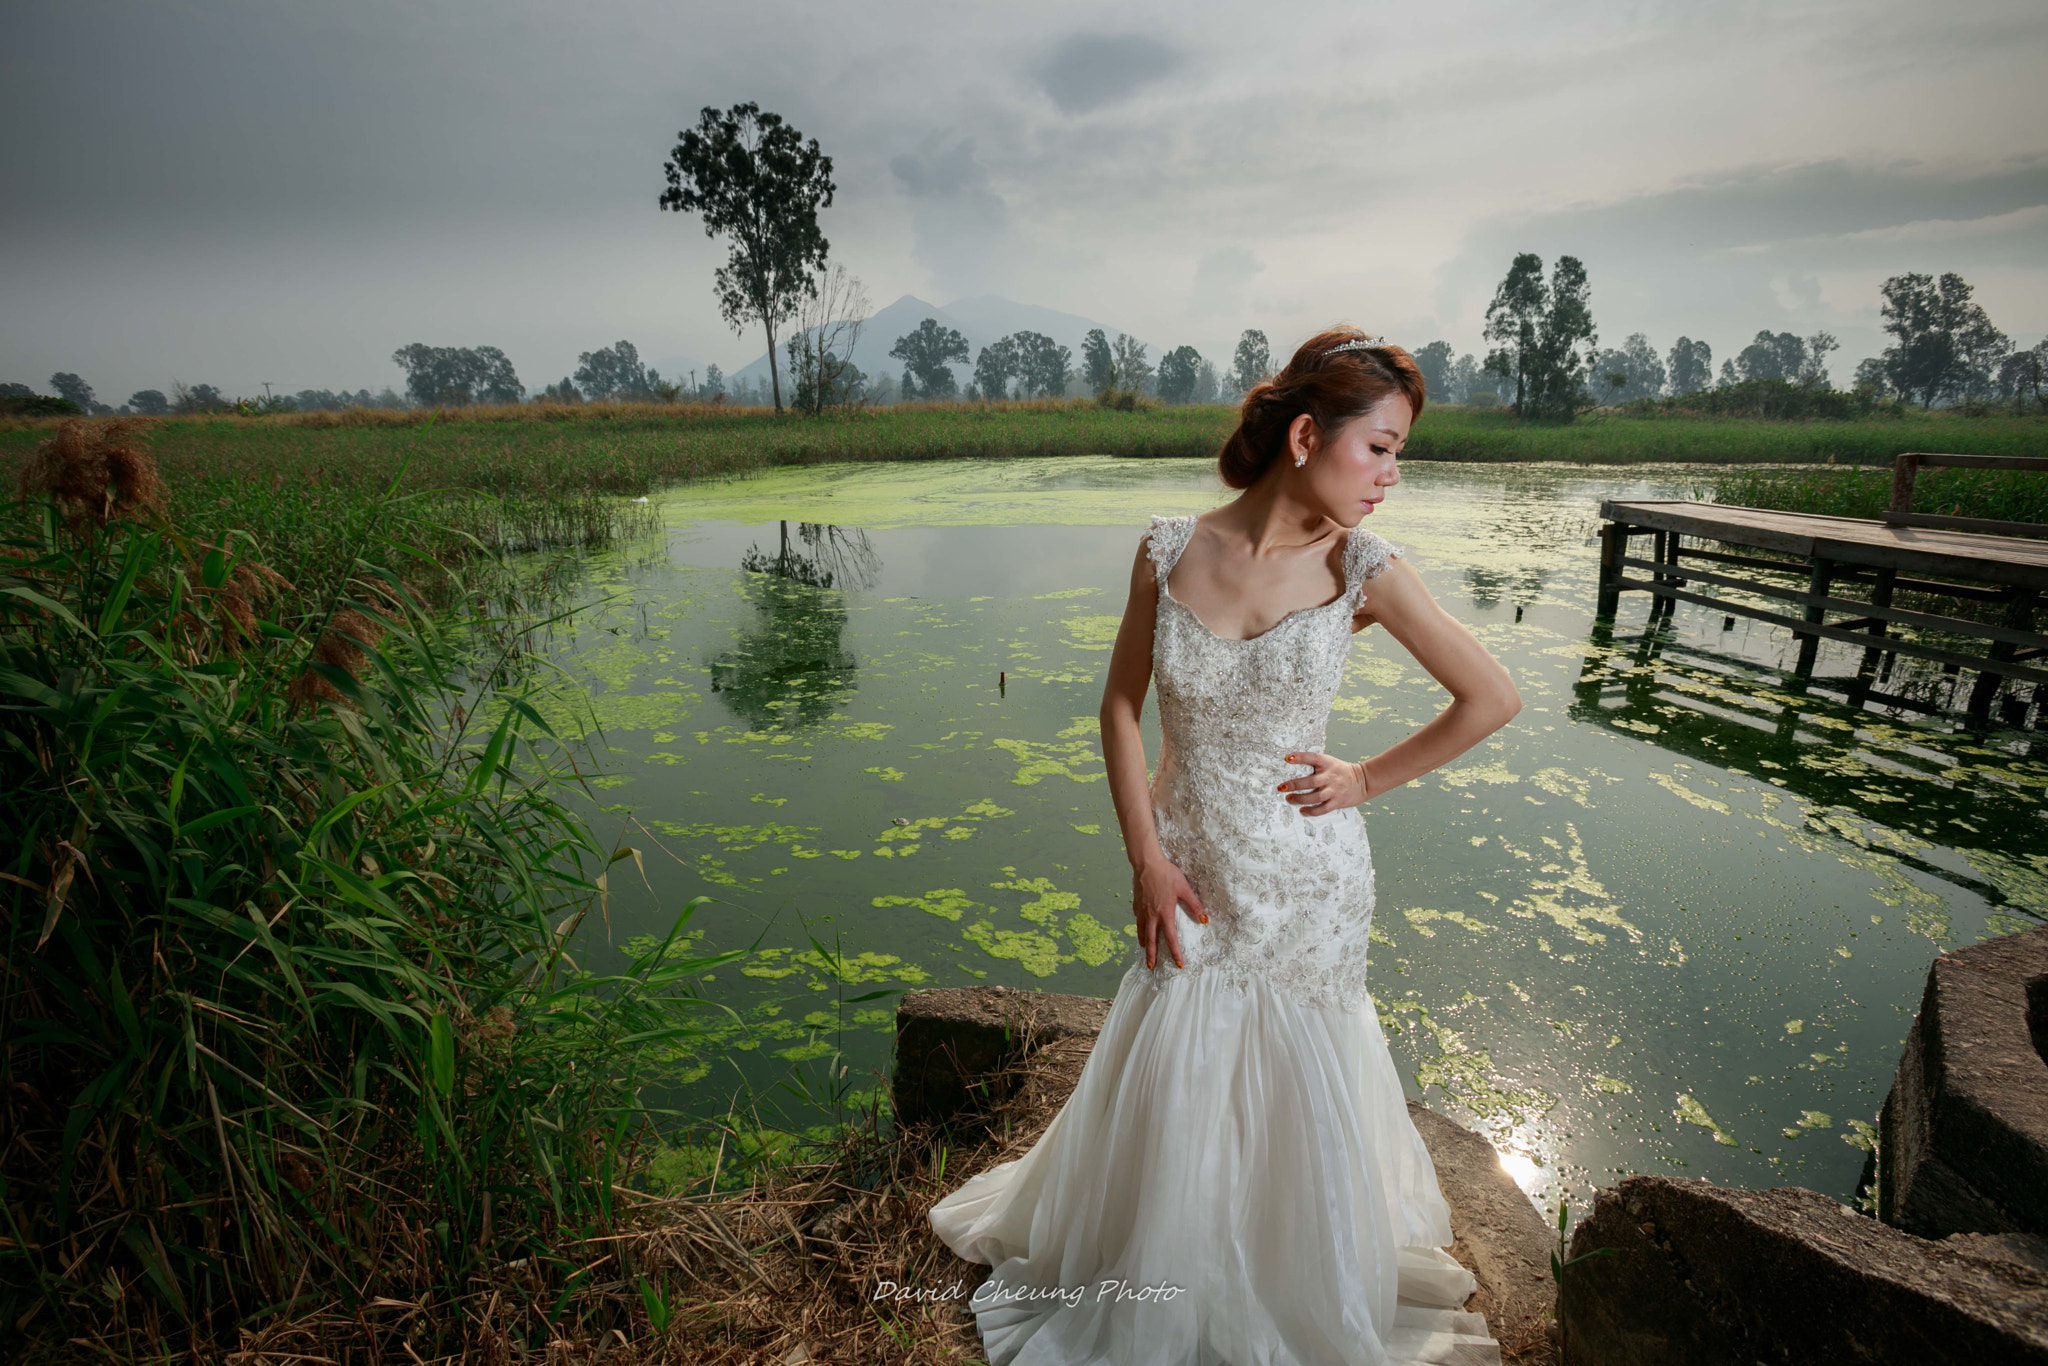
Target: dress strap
1365 557
1164 542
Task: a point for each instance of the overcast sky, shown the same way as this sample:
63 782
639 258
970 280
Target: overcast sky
237 192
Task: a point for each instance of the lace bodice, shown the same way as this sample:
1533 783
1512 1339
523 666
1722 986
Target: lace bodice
1289 896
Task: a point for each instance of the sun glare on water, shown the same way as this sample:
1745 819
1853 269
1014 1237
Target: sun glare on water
1528 1175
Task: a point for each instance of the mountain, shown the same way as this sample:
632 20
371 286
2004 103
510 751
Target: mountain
982 319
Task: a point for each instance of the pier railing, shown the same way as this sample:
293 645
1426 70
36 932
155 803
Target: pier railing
1976 560
1909 465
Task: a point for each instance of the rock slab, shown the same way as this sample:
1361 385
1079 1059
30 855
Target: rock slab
1501 1236
1963 1140
959 1050
1702 1276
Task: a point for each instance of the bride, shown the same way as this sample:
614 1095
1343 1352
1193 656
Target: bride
1235 1178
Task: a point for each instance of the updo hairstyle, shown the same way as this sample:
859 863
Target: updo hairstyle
1332 387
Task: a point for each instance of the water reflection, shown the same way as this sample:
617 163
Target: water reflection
1488 585
1906 790
790 667
826 556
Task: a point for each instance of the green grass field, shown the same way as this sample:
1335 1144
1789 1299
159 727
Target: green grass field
635 449
535 475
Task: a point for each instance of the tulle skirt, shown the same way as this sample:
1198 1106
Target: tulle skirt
1234 1182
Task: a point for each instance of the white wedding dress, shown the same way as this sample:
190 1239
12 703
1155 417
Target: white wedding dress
1235 1179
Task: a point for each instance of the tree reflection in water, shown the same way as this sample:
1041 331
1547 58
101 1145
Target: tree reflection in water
789 668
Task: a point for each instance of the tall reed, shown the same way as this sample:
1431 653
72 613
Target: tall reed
289 1019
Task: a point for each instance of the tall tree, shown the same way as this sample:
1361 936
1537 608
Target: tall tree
1980 350
754 179
1631 373
927 354
1179 369
1206 383
614 372
1253 361
1043 365
1871 378
1434 361
1772 356
70 386
496 381
994 368
1692 366
1813 370
2023 375
828 327
149 401
714 382
457 375
1946 345
1567 328
1465 377
1098 362
1546 335
1133 371
1514 319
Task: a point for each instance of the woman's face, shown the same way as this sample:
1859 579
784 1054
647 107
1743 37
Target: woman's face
1349 474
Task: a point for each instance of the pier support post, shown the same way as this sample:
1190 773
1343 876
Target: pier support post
2019 616
1809 645
1880 598
1613 545
1667 553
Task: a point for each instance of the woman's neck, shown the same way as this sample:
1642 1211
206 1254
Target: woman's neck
1268 517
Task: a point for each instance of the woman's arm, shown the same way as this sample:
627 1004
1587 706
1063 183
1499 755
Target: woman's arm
1157 885
1483 699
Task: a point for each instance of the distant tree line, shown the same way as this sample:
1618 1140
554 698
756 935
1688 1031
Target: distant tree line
75 396
1028 365
1547 362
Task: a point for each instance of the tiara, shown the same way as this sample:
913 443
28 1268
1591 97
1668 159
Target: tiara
1358 344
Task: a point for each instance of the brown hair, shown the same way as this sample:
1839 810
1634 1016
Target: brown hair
1331 386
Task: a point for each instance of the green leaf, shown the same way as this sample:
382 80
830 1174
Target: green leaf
47 604
213 818
441 1053
118 599
142 1241
214 571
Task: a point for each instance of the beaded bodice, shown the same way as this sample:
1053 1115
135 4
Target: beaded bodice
1289 896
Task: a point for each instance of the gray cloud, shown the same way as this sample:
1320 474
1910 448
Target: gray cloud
233 191
958 223
1784 247
1220 279
1086 72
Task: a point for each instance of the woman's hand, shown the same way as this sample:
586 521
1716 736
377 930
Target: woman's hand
1335 784
1158 888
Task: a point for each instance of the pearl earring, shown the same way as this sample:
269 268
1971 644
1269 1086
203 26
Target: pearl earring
1300 460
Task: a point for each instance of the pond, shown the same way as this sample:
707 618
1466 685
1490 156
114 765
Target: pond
1674 919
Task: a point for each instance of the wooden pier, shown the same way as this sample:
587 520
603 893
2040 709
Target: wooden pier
1957 558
